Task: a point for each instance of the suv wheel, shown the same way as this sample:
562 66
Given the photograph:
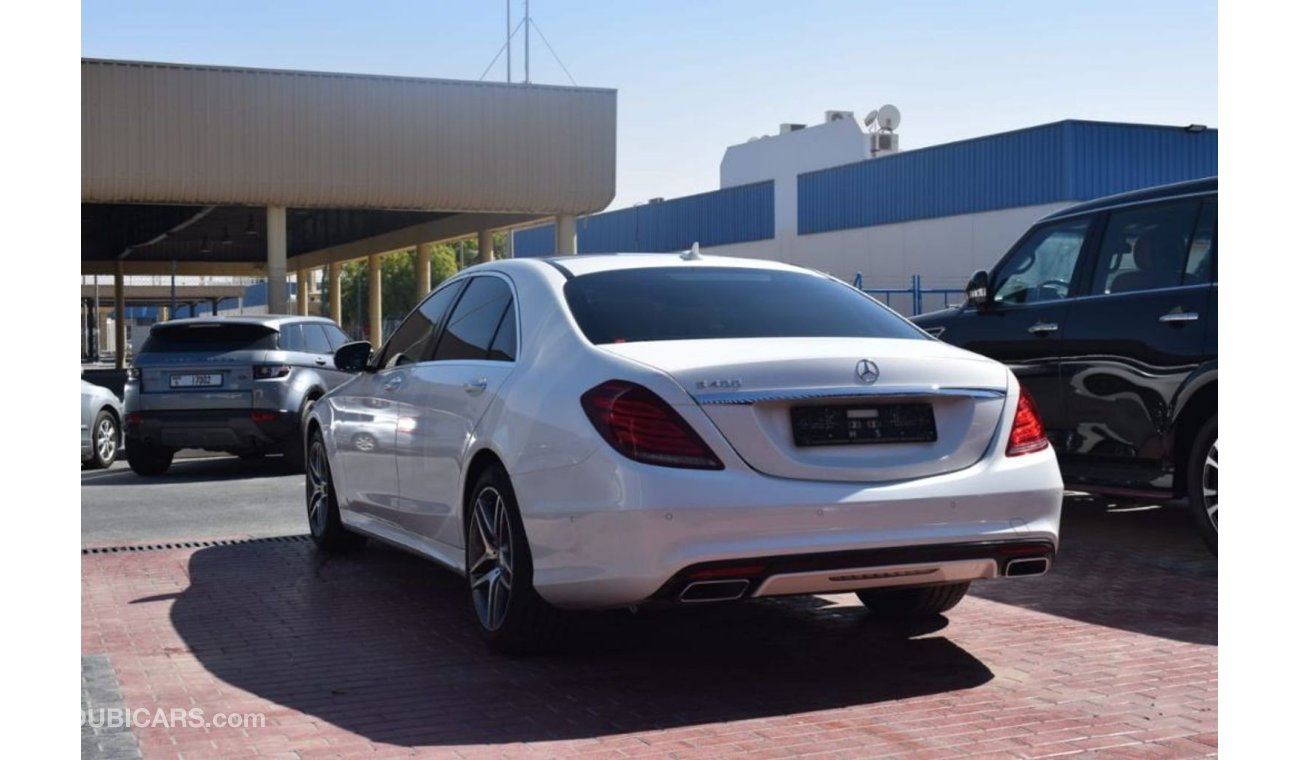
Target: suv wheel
147 459
499 571
104 438
917 601
322 503
1203 482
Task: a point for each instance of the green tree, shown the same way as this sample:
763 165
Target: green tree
397 271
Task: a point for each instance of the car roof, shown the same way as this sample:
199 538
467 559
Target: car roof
591 263
1192 187
273 321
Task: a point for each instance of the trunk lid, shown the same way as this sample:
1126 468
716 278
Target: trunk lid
748 387
201 365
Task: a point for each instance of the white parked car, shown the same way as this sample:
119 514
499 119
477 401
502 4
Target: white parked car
611 431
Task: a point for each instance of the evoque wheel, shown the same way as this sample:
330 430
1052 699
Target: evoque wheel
499 570
322 502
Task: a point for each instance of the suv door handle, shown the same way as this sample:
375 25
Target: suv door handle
475 387
1043 328
1178 316
320 361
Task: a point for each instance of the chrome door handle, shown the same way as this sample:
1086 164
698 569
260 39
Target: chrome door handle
394 383
1177 317
1043 328
475 387
320 361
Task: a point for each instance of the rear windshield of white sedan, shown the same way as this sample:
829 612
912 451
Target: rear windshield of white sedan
699 303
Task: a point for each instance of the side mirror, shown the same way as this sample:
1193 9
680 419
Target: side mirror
353 357
977 290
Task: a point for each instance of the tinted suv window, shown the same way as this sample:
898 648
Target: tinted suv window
291 338
413 341
214 337
317 342
1200 258
1043 266
474 323
1145 248
336 336
697 303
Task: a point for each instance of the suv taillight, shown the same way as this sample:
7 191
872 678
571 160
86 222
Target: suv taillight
1027 434
643 427
268 371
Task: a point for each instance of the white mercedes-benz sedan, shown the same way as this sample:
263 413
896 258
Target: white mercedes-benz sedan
610 431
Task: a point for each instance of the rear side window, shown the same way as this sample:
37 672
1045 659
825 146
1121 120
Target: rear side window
474 323
208 338
1200 259
504 345
291 338
699 303
317 342
1145 248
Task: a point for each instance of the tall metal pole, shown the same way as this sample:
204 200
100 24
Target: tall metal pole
172 311
509 69
528 22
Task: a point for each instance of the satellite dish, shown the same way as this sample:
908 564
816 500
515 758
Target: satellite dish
870 118
889 118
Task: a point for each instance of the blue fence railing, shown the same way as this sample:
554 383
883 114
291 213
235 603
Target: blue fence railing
915 293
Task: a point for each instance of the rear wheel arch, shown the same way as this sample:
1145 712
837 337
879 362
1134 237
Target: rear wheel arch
1198 409
482 460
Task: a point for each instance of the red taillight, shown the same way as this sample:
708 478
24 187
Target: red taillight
263 416
643 427
133 419
1027 434
269 371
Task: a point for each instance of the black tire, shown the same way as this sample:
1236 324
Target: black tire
915 601
523 623
147 459
1203 482
105 440
322 503
295 445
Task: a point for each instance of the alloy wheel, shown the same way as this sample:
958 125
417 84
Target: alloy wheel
106 440
491 548
318 482
1210 484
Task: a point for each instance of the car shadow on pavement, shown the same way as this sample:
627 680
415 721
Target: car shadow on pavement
1130 566
192 470
381 644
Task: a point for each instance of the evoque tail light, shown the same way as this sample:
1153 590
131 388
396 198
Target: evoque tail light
643 427
1027 433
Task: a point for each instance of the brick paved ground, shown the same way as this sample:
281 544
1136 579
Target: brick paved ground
1113 654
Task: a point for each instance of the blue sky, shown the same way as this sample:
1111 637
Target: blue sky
694 77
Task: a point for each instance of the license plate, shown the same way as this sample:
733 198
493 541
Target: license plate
874 423
196 381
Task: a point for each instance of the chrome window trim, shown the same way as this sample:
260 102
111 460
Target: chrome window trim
746 398
1093 296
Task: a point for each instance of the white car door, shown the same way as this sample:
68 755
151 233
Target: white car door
444 400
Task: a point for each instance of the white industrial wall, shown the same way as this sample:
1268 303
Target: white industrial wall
943 251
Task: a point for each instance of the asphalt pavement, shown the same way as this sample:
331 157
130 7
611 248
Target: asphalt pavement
198 498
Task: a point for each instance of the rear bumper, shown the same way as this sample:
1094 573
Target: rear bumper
217 430
609 532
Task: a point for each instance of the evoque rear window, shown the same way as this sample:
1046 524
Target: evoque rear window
209 338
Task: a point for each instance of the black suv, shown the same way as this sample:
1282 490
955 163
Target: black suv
1108 312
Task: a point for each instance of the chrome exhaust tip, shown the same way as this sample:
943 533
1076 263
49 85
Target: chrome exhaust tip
714 591
1025 566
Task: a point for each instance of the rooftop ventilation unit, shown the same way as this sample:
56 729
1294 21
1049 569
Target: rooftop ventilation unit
838 116
787 128
883 143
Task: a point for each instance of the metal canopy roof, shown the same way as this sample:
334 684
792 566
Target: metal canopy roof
179 161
